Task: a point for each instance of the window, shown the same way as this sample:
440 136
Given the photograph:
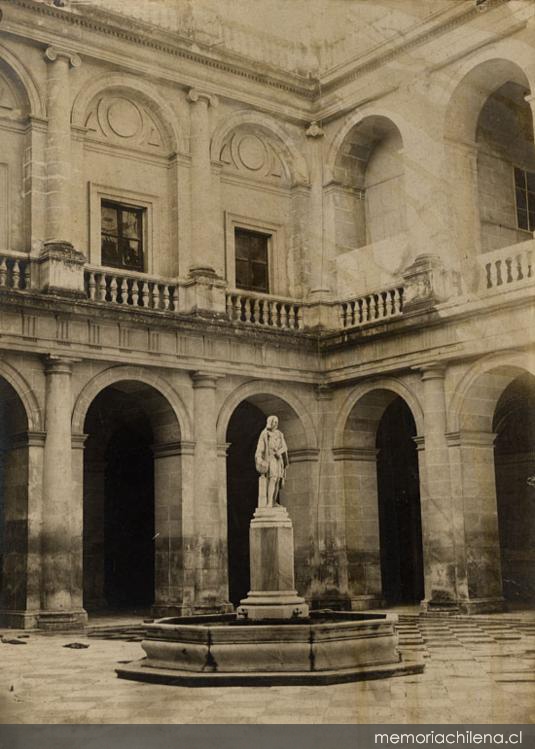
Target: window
251 250
122 236
525 199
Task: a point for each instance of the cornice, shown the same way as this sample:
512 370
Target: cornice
141 34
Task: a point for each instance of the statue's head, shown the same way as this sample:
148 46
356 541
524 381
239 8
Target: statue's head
272 422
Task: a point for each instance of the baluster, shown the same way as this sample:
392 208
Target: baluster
3 272
488 272
92 287
509 266
252 310
134 293
284 315
15 275
519 270
228 306
270 313
113 289
165 296
397 301
101 288
173 298
529 267
236 308
27 275
145 293
342 314
298 317
498 267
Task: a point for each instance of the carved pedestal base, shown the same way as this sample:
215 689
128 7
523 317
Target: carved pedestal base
272 594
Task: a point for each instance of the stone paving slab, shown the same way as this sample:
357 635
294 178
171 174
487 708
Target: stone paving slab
475 673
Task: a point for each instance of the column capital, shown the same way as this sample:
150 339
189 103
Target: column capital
78 441
432 371
194 96
314 130
56 53
59 364
204 379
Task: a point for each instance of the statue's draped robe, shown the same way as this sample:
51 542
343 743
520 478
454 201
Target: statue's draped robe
271 459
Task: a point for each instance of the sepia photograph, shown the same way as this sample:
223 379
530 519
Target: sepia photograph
267 364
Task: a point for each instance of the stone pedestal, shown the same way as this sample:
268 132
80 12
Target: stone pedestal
272 594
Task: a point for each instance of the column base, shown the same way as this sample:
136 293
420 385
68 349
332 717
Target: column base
442 608
482 606
19 619
60 620
276 604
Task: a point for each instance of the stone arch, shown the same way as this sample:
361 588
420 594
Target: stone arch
475 82
26 395
26 83
356 118
110 82
397 387
265 387
474 400
121 373
288 150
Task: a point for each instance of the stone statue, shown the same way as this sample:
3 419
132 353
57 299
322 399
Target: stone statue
271 459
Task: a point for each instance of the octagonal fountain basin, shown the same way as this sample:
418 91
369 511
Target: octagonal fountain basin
326 648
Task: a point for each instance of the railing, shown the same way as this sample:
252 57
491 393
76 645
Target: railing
266 312
508 266
136 290
380 305
15 271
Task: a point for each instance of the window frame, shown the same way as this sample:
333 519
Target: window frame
276 252
140 214
267 239
150 204
531 224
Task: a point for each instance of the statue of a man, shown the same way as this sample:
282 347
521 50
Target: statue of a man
271 459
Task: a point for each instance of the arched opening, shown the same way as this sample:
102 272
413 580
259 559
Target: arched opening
244 427
14 457
506 167
370 210
514 465
400 523
132 500
382 502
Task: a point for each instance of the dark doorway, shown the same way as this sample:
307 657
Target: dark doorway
242 493
400 523
118 504
514 462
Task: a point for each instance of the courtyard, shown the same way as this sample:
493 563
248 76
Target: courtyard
479 669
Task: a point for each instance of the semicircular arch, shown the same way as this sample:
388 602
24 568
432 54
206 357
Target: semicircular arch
125 372
126 83
288 150
265 387
26 83
25 394
393 385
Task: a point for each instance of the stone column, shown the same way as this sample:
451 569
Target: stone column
58 147
60 602
436 500
60 265
211 578
316 254
204 249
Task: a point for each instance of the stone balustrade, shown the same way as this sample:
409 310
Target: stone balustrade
508 266
381 305
134 289
264 311
15 271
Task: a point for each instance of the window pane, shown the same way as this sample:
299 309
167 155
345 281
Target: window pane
520 180
532 221
110 250
130 224
259 248
108 220
522 219
530 178
131 254
242 245
521 199
531 201
259 279
242 274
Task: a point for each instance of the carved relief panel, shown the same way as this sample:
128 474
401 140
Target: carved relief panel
117 118
253 154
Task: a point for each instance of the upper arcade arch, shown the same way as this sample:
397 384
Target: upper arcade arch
27 89
119 83
128 373
26 396
282 141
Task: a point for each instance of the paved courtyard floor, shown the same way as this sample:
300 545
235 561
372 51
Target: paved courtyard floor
478 670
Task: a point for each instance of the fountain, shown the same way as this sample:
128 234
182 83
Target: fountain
272 638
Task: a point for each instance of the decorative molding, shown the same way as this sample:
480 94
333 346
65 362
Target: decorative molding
26 439
470 439
78 441
361 454
194 96
304 455
314 130
56 53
